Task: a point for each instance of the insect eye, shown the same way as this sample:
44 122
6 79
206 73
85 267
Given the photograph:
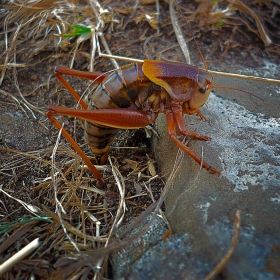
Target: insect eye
202 89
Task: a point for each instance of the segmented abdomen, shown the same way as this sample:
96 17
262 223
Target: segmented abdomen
127 87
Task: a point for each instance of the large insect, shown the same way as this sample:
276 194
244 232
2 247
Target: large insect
132 97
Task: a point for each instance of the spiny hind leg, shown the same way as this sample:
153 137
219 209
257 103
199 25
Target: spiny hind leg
59 71
73 143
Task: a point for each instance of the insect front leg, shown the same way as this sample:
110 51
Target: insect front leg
197 112
171 121
178 118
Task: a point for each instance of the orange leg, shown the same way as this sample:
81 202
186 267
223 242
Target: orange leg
75 146
118 118
195 111
178 118
194 135
96 76
171 121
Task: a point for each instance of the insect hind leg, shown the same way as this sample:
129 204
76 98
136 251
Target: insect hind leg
73 143
59 71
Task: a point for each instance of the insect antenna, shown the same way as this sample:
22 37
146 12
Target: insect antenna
236 89
204 62
196 43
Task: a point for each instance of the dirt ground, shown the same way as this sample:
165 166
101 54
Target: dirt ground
29 51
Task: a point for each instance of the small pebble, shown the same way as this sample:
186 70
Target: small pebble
34 77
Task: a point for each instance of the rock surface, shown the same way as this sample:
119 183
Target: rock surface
245 148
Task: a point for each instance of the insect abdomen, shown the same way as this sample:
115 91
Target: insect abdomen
121 89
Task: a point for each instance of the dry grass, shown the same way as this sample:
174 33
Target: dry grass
70 216
48 193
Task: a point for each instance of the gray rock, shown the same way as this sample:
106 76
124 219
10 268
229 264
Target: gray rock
130 260
245 148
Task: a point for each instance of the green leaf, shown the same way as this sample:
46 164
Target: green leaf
7 227
76 31
220 24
